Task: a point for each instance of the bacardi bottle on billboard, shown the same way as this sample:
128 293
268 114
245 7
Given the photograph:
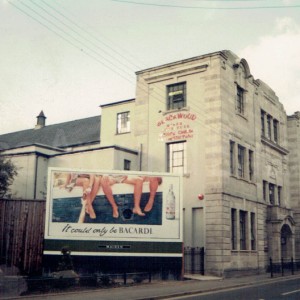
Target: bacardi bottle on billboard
170 209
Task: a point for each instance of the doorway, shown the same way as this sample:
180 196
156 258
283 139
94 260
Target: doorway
286 242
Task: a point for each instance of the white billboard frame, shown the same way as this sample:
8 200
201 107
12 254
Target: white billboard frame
150 233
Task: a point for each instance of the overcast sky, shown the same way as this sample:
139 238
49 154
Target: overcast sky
67 57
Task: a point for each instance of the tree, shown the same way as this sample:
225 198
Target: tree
8 171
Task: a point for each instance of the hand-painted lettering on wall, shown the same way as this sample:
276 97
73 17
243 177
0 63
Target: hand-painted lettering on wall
177 126
177 116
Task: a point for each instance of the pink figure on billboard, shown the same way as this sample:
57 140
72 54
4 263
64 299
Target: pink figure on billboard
87 182
106 182
92 183
154 182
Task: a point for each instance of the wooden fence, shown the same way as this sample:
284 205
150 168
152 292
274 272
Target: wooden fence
21 234
22 225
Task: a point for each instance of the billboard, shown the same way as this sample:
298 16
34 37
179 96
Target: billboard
115 213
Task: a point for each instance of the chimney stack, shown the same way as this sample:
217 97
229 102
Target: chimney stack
41 121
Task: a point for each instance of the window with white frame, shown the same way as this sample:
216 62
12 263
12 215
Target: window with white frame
177 157
123 122
176 95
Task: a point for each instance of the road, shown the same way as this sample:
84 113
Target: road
284 290
260 287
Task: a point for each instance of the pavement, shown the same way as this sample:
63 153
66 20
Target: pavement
13 286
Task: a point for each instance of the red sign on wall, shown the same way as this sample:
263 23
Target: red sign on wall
177 126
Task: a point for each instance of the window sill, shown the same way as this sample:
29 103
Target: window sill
169 111
186 175
243 179
121 133
241 115
274 205
244 251
274 145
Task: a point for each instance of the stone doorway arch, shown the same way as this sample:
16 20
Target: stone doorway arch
281 234
286 241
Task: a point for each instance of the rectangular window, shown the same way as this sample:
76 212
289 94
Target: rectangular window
265 185
243 230
240 100
272 193
253 231
176 96
269 128
241 161
123 122
275 130
177 158
279 191
232 155
127 164
251 165
262 119
233 229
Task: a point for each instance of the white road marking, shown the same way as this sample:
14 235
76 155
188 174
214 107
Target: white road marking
291 292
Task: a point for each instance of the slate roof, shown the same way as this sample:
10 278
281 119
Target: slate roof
62 135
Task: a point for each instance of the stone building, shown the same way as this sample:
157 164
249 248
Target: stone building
294 171
210 120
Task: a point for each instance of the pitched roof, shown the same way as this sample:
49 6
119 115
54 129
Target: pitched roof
62 135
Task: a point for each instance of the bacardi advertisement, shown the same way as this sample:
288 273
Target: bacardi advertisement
113 212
